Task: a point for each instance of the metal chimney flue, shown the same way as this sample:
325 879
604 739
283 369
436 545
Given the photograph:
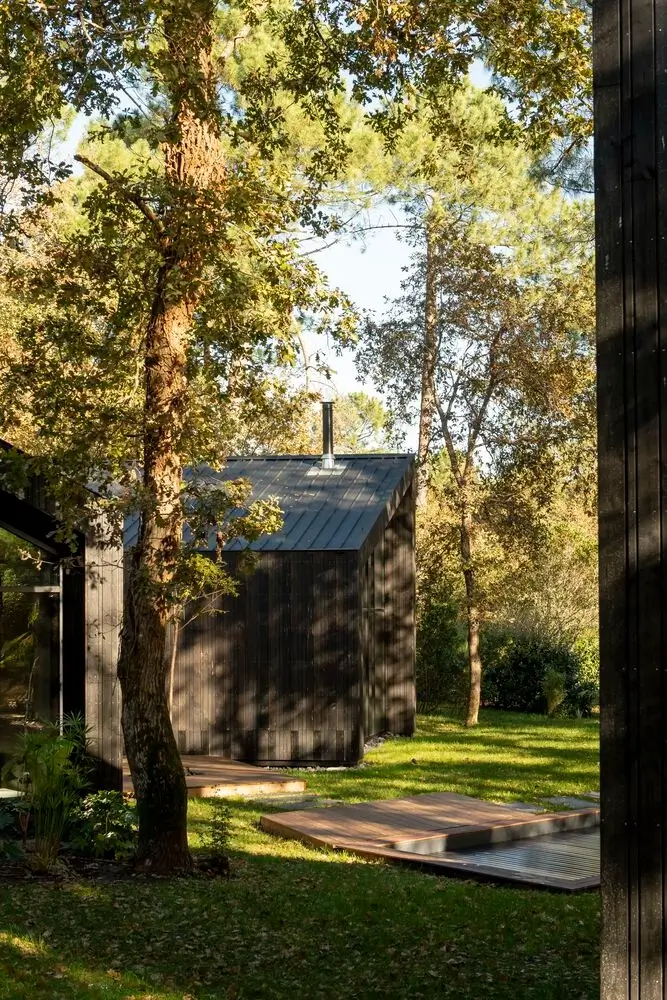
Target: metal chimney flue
327 436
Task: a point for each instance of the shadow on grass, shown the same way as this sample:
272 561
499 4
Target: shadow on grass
296 927
298 922
508 757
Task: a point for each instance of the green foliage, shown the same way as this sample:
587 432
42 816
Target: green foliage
50 772
490 345
216 835
551 590
360 425
104 825
441 665
76 731
526 672
587 650
553 689
539 51
9 832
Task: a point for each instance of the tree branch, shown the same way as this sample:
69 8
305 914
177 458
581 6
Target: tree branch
445 417
122 190
232 43
476 427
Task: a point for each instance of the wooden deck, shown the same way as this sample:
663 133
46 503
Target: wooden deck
215 776
415 828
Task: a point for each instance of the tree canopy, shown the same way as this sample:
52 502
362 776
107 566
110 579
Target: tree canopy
159 295
494 331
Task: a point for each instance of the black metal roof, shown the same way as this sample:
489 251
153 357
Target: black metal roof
323 510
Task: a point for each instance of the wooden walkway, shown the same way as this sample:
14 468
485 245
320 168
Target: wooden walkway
416 828
217 776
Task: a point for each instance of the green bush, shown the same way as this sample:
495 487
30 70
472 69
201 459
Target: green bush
51 768
553 689
104 825
441 667
9 834
45 770
587 650
215 838
520 672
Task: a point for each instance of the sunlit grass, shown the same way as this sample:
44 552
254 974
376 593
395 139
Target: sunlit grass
508 757
299 923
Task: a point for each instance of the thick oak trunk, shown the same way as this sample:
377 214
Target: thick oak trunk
472 622
155 763
427 401
152 753
194 175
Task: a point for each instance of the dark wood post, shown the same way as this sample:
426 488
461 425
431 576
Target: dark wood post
630 71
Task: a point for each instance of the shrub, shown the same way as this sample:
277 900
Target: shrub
441 667
9 845
76 732
529 673
45 771
553 688
105 826
584 692
587 650
215 839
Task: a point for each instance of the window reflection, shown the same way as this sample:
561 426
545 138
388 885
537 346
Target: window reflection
29 639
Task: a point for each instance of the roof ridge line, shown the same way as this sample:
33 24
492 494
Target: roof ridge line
343 456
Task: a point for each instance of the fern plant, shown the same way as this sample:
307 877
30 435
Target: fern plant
46 771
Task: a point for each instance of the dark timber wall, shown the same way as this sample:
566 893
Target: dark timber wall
387 595
102 586
630 72
275 678
300 668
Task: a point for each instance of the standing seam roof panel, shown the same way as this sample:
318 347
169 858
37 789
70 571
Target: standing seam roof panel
322 511
351 497
337 540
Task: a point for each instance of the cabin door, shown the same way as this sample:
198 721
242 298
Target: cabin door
373 640
367 645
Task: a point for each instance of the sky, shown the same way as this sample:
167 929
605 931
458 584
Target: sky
368 271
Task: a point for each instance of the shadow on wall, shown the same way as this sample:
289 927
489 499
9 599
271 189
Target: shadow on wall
286 674
631 214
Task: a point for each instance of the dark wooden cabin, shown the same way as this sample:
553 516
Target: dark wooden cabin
313 657
316 654
60 614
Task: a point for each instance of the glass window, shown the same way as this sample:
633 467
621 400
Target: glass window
29 639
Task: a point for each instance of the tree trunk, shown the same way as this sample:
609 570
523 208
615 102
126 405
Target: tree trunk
427 403
472 620
152 753
194 175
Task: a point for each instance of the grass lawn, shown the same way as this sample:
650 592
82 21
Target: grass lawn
295 923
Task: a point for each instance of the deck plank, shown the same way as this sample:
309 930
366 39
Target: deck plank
217 776
413 829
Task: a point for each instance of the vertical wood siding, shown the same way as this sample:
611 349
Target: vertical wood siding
74 640
630 73
276 677
387 598
103 603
